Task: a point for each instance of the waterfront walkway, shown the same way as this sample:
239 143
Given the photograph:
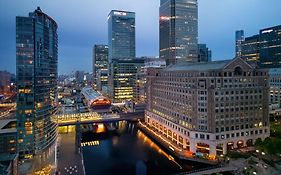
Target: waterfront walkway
177 150
69 161
210 170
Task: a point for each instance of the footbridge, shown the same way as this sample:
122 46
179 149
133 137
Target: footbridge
94 117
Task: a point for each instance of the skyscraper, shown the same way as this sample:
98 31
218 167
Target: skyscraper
250 49
270 47
36 75
204 53
239 38
263 49
122 83
100 64
178 30
121 35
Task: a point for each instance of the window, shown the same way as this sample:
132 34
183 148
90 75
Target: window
238 71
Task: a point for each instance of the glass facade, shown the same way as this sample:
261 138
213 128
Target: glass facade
250 49
178 25
263 49
100 65
36 75
270 47
204 53
239 38
123 82
121 35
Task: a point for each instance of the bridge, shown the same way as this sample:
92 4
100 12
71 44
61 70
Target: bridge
4 105
94 117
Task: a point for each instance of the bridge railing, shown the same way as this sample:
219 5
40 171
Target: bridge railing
75 116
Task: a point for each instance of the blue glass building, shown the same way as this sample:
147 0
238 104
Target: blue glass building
263 49
36 76
239 38
121 35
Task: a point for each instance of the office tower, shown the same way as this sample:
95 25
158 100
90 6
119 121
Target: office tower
204 53
36 75
239 38
270 47
264 49
121 35
100 66
250 49
178 25
123 80
274 89
209 108
102 80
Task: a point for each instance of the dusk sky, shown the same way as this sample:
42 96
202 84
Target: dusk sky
84 23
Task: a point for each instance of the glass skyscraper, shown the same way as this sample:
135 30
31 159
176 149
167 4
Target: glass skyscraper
270 47
178 30
263 49
122 83
36 75
121 35
100 64
204 53
239 38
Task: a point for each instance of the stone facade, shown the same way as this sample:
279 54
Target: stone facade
209 108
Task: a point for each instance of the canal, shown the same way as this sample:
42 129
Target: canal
126 150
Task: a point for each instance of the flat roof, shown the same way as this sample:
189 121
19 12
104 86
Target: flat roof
204 66
4 123
91 94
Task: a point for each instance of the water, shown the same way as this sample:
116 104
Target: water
129 152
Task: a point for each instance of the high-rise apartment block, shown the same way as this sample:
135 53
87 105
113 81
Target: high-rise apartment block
100 66
239 38
36 76
121 35
209 108
178 27
263 49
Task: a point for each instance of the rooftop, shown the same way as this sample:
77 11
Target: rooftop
205 66
5 126
91 94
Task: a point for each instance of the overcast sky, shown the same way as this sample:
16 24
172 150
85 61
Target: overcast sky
84 23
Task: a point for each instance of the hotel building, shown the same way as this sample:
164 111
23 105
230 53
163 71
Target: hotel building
209 108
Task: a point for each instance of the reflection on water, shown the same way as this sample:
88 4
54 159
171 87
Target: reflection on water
128 151
155 147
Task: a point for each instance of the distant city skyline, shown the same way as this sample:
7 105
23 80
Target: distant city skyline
79 30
